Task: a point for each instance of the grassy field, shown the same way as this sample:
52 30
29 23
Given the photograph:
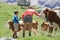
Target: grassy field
6 13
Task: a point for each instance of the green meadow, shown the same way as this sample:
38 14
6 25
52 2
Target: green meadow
7 12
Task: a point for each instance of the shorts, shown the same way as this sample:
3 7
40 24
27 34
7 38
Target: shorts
28 18
16 26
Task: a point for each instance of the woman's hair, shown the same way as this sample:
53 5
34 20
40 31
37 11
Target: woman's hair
30 7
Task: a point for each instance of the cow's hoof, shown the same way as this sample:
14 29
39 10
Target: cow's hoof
15 36
29 34
23 36
49 35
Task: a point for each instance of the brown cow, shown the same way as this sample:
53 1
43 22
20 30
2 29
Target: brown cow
52 16
20 26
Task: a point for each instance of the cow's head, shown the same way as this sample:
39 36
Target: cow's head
10 22
46 13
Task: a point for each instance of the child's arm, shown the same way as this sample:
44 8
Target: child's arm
19 18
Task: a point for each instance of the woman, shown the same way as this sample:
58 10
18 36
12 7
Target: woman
27 18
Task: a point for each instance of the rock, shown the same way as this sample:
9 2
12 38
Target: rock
7 38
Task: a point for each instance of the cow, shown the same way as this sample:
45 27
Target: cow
52 16
45 26
21 25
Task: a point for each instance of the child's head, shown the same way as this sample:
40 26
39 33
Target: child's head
16 12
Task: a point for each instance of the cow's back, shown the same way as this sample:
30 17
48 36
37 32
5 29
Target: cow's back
12 27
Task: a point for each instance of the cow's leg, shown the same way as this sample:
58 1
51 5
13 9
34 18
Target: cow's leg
35 27
54 31
15 35
51 23
24 29
42 30
59 26
50 30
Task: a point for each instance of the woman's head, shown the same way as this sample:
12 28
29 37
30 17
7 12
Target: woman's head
30 7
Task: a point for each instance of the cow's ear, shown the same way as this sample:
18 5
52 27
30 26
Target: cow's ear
47 10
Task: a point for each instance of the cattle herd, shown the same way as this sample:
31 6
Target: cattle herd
51 16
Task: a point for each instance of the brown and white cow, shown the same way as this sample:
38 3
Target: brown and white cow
20 26
45 26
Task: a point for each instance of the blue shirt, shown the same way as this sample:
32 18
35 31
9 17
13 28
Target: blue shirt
16 19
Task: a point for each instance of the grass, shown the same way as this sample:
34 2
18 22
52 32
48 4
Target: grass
6 13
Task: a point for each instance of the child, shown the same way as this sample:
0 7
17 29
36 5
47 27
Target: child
16 22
